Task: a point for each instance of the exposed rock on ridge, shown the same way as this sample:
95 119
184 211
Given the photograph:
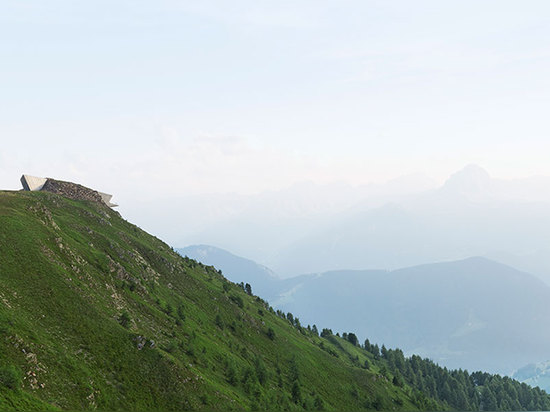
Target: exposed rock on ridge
72 191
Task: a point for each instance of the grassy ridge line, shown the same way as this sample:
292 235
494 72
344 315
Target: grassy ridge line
81 290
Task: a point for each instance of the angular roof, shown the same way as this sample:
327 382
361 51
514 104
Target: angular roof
107 199
32 183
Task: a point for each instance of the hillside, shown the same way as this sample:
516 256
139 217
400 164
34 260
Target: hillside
95 313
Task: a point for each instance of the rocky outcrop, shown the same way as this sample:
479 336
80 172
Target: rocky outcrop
72 191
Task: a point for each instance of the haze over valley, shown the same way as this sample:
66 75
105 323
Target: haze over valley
372 268
385 227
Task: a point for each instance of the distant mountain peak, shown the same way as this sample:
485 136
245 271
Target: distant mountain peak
473 179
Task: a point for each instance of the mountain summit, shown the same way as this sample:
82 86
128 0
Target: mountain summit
472 180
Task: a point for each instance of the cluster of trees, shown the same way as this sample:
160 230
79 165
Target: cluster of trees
458 388
245 286
285 392
293 320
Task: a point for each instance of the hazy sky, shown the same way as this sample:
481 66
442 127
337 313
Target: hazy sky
211 96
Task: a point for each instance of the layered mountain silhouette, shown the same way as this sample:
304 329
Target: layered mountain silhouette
316 228
473 313
535 375
470 215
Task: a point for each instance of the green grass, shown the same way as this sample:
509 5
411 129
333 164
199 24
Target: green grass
72 273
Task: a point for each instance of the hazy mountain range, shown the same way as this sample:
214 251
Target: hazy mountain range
270 221
471 215
535 375
310 228
465 312
473 313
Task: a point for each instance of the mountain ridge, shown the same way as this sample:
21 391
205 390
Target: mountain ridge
371 302
327 227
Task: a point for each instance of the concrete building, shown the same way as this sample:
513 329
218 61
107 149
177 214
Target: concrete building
67 189
107 199
32 183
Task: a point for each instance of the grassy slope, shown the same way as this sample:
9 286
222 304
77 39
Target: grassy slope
69 270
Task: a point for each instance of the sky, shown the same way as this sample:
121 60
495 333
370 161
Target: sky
172 98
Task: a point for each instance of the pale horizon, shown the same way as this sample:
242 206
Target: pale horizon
246 98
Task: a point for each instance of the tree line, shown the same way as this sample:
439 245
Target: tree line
458 389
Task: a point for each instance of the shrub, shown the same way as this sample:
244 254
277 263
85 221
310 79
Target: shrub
124 319
296 392
170 347
219 322
238 300
231 373
10 377
181 312
319 404
169 309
